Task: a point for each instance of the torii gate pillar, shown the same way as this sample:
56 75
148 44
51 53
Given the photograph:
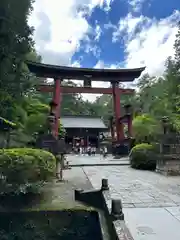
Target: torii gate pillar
57 96
117 111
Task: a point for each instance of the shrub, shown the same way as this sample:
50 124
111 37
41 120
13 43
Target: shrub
25 170
143 156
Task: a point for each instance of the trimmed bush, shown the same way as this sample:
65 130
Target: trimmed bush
25 170
143 156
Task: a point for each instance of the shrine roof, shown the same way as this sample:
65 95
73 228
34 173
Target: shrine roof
85 122
63 72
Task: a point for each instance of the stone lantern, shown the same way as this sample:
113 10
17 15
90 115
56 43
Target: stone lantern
51 117
165 124
128 115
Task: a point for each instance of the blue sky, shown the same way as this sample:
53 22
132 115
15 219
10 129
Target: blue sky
107 49
106 33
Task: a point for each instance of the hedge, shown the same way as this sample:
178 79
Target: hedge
143 156
25 170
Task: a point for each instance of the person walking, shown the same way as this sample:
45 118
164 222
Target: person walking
105 152
89 150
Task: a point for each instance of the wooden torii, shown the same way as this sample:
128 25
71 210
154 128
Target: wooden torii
114 76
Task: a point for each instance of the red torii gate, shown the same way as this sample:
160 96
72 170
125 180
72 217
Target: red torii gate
114 76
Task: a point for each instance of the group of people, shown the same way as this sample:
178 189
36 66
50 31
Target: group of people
90 150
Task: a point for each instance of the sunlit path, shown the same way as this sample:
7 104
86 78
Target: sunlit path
151 202
84 160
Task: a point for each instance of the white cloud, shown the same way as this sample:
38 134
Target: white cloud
60 26
128 25
90 48
136 4
106 4
109 25
149 42
98 32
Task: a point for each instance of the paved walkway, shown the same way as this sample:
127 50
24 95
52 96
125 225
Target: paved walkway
151 201
98 160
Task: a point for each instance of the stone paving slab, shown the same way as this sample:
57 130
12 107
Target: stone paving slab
175 211
138 189
152 224
98 160
151 202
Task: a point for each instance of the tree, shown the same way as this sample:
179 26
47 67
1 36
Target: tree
177 48
15 43
145 128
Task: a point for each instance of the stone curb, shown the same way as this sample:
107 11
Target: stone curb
111 208
100 164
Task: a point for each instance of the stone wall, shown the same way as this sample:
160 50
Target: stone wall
168 165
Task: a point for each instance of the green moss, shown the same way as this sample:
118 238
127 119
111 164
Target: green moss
58 196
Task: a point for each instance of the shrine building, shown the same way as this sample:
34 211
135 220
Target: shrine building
85 130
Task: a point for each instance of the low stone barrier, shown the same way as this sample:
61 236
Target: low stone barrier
168 159
168 165
110 208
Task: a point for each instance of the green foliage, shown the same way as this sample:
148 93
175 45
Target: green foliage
15 43
44 225
177 48
5 124
143 156
24 170
145 128
62 130
160 97
36 123
35 106
37 113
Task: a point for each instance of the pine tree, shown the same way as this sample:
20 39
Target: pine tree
177 49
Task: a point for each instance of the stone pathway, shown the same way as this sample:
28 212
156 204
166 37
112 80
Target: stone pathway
151 202
137 188
98 160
